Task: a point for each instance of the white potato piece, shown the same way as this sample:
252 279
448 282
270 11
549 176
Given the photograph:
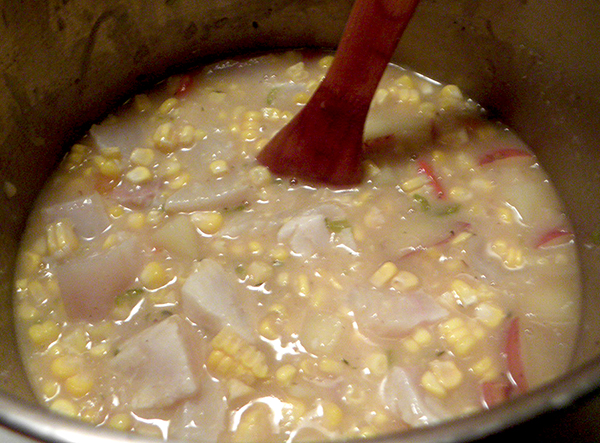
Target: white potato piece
158 364
87 214
210 299
306 234
210 195
178 236
90 283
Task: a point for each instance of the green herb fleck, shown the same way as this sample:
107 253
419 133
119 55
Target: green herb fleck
131 295
337 226
271 96
422 201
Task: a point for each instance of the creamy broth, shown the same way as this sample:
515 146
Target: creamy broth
170 285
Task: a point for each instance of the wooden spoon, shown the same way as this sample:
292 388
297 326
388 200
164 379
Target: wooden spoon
323 142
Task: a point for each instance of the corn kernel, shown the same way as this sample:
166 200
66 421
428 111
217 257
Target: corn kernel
30 262
297 73
260 175
460 194
179 182
167 106
377 363
136 220
99 350
303 285
164 138
410 345
268 328
381 96
61 238
142 103
331 366
116 211
259 272
43 334
405 81
139 175
405 281
489 314
447 373
326 61
65 366
169 168
209 222
64 407
422 336
332 415
432 385
27 313
465 292
219 167
414 183
154 275
187 135
121 422
50 389
301 98
284 375
279 254
459 336
79 385
142 156
271 114
485 369
384 274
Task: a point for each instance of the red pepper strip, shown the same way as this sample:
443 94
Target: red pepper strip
425 168
513 356
184 86
547 240
495 392
501 154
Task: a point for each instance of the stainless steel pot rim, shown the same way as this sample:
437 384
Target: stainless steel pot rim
36 422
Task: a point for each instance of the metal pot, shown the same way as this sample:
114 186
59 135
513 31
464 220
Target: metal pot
64 64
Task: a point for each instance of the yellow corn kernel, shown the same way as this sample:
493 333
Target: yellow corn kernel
136 220
121 422
50 389
164 137
485 369
100 350
30 262
61 238
293 410
209 222
414 183
142 157
255 247
79 385
271 114
259 272
459 336
232 356
167 106
219 167
254 425
64 407
268 328
249 134
331 366
422 336
187 135
332 415
463 236
489 314
27 313
432 385
460 194
384 274
116 211
464 291
303 285
139 175
405 281
450 94
170 168
380 96
110 241
154 275
43 334
405 81
301 98
447 373
283 279
200 134
65 366
410 345
284 375
179 182
142 103
260 175
410 96
279 254
297 73
377 363
427 109
326 61
505 215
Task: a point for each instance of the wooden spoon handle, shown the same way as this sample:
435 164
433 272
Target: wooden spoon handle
369 40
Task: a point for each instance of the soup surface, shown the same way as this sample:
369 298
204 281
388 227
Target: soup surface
168 284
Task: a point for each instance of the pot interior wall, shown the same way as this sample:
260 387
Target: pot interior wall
64 65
